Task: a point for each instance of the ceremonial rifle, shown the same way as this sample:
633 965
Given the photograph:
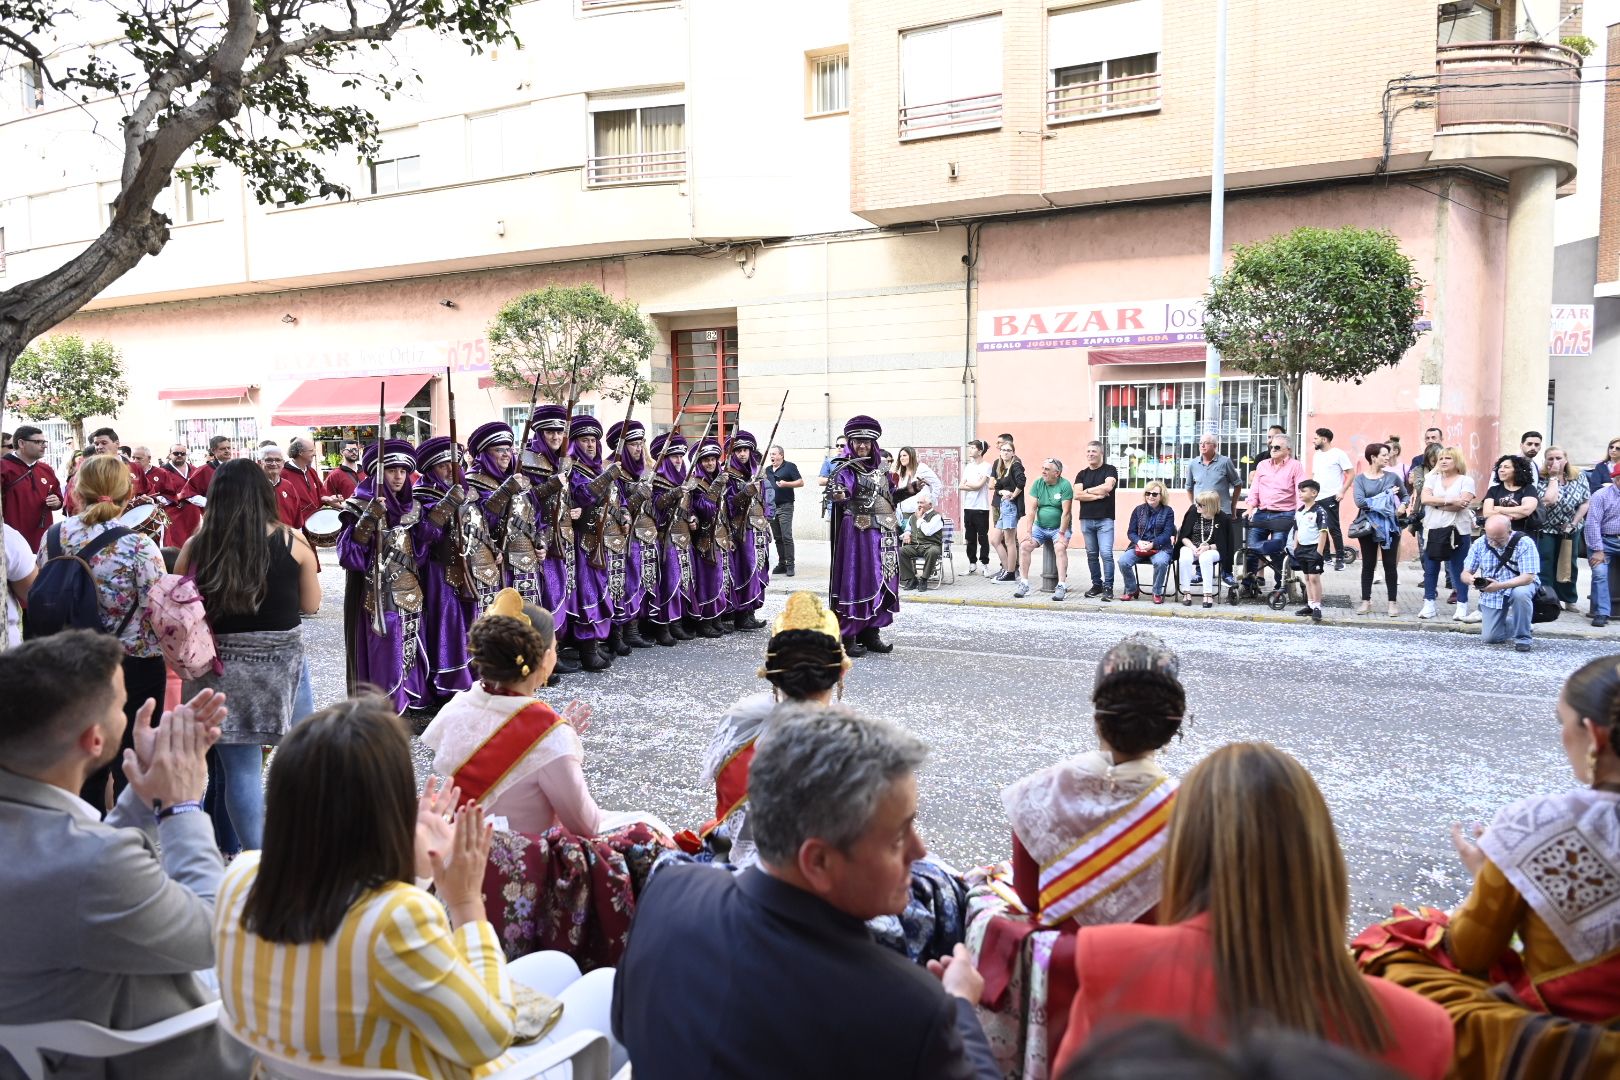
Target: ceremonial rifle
566 466
517 461
379 486
458 514
765 453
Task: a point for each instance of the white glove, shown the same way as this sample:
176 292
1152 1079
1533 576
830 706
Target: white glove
197 500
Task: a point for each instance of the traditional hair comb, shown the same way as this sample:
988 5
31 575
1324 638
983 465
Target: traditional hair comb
805 611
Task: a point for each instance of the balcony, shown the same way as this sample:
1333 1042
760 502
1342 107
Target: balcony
981 113
655 167
1501 105
1104 97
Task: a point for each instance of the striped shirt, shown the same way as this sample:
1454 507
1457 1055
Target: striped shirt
394 988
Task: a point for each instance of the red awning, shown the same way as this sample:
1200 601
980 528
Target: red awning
485 382
339 402
203 393
1147 354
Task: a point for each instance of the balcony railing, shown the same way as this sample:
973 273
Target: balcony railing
599 5
1106 97
658 167
1517 83
981 113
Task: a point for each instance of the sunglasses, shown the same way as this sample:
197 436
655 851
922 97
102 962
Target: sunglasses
1274 449
1152 494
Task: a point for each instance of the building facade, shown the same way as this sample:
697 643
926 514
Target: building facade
961 218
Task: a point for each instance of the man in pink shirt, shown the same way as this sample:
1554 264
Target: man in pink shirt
1274 492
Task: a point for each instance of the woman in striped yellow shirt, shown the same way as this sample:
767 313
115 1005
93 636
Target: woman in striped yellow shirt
326 949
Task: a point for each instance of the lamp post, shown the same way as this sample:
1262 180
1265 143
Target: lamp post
1217 220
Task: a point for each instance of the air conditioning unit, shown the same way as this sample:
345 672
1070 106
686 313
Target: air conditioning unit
1456 9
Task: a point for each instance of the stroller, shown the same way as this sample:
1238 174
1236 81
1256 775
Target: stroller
1268 550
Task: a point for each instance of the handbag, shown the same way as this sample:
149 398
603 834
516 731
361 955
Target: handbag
1361 527
1441 544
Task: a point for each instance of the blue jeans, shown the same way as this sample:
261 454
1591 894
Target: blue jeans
242 769
1431 571
304 696
1511 621
1161 570
1007 515
1099 537
1602 602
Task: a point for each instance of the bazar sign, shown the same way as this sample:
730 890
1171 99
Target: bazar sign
1085 326
1571 330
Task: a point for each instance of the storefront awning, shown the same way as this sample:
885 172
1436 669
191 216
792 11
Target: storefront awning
203 393
340 402
486 382
1147 354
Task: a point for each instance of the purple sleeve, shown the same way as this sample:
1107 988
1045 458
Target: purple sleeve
352 554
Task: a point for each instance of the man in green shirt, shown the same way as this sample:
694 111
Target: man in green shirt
1053 497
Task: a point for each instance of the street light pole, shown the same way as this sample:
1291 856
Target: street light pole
1217 220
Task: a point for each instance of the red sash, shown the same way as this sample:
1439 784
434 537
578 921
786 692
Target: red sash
730 785
501 752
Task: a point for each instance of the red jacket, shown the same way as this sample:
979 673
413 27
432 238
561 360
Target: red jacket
1131 971
292 505
342 481
167 487
309 484
26 489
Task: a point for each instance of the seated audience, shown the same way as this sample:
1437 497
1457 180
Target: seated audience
1088 848
327 950
1206 547
1152 536
771 971
1155 1050
1255 900
924 538
512 754
1529 965
106 921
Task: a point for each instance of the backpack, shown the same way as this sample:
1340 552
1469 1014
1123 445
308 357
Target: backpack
63 596
178 618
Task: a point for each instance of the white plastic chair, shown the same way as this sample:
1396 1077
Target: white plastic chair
28 1043
587 1051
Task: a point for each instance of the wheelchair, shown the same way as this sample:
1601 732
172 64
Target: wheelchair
1271 552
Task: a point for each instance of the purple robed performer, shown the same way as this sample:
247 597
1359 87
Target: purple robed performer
711 542
589 489
633 572
542 464
449 600
503 496
672 592
394 661
864 581
750 551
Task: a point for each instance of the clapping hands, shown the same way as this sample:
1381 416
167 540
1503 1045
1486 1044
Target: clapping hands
169 763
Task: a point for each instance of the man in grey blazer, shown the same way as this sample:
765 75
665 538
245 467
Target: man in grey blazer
98 924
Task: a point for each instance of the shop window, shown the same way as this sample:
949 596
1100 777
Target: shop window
1150 430
243 431
706 365
950 78
1104 60
828 73
636 142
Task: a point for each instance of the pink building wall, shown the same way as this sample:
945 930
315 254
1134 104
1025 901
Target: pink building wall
1048 397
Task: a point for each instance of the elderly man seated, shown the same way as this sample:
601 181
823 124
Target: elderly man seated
923 539
107 921
771 971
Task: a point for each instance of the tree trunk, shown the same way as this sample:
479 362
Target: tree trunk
78 433
1293 392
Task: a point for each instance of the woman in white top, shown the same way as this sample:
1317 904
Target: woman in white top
1448 530
908 466
975 488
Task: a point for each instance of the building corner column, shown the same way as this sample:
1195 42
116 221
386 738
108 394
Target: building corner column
1527 303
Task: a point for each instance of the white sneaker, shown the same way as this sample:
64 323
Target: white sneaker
1428 610
1473 617
973 568
1460 614
1022 590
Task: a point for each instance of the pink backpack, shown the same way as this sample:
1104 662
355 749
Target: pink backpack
175 612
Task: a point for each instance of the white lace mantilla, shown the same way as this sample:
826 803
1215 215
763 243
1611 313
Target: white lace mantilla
1562 852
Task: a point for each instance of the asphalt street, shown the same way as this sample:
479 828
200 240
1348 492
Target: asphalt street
1404 732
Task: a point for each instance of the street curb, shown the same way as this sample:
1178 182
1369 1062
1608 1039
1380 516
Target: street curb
1232 613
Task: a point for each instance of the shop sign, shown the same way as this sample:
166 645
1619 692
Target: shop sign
1085 326
1571 330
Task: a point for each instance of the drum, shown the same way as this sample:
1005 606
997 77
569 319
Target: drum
323 527
147 519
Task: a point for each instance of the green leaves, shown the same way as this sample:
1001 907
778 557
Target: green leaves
571 336
63 377
1335 303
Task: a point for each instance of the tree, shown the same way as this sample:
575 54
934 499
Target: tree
571 338
266 86
1335 303
63 377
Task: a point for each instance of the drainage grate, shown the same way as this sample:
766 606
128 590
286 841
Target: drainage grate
1336 601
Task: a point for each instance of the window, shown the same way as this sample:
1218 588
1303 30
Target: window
500 144
2 251
243 431
33 85
514 417
828 82
706 365
192 203
1150 430
950 78
588 6
1465 24
107 199
1104 61
643 142
395 174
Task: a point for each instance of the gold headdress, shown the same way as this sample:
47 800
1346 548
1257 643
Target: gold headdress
805 611
509 602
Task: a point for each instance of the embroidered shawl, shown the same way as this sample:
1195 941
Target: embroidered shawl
473 719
